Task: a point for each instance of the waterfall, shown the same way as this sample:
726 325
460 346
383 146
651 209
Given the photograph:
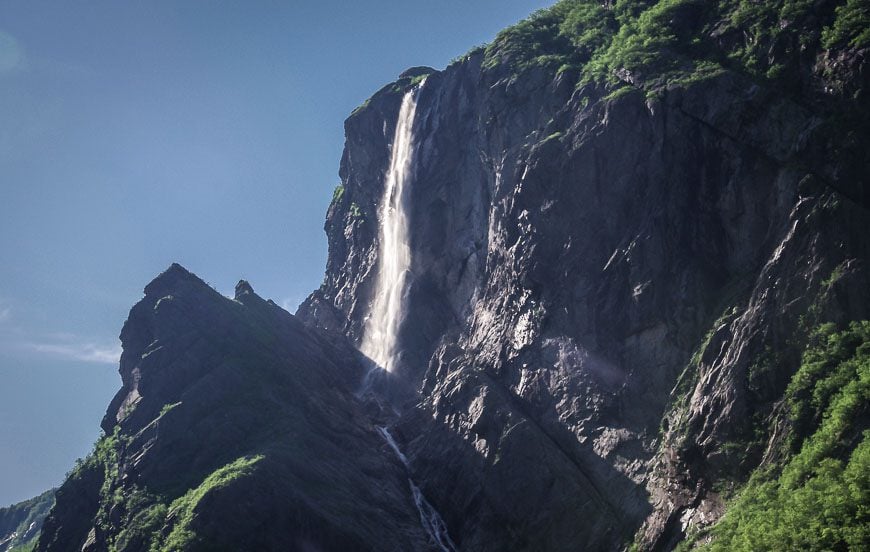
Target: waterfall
394 253
387 310
429 517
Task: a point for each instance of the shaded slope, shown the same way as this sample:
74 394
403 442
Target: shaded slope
234 429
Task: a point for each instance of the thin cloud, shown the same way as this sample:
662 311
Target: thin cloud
86 352
5 313
11 53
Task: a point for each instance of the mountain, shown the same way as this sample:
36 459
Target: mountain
21 523
608 277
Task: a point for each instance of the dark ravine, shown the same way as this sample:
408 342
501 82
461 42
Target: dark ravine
613 283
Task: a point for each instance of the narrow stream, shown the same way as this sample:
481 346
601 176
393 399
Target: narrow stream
429 517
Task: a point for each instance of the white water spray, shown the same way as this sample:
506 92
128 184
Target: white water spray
394 253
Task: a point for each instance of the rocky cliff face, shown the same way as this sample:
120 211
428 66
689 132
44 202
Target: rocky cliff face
613 282
609 289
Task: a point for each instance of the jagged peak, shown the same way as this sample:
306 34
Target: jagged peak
243 288
171 279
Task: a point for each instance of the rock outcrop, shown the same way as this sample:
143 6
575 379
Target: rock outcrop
236 428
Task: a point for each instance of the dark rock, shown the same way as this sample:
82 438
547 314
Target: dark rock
243 288
209 383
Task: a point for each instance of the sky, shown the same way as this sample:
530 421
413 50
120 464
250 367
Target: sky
137 134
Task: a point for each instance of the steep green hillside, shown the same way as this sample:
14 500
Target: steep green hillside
20 523
819 498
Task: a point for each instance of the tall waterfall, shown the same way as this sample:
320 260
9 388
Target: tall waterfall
394 253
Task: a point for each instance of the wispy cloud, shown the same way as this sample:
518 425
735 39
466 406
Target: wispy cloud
86 352
11 53
17 339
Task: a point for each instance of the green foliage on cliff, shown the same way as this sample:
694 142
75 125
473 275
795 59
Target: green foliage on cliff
182 508
820 498
19 518
146 517
144 514
851 26
337 193
656 42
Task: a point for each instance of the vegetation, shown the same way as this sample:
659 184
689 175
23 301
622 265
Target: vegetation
674 41
167 407
820 498
656 43
337 194
146 515
851 26
19 518
183 507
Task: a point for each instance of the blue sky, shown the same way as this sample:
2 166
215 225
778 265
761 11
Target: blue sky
135 134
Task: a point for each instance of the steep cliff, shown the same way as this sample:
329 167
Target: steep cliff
626 222
637 265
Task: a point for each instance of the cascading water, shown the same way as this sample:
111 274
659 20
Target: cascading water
394 254
394 263
429 517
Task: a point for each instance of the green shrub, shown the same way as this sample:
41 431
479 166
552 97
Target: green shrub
337 194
